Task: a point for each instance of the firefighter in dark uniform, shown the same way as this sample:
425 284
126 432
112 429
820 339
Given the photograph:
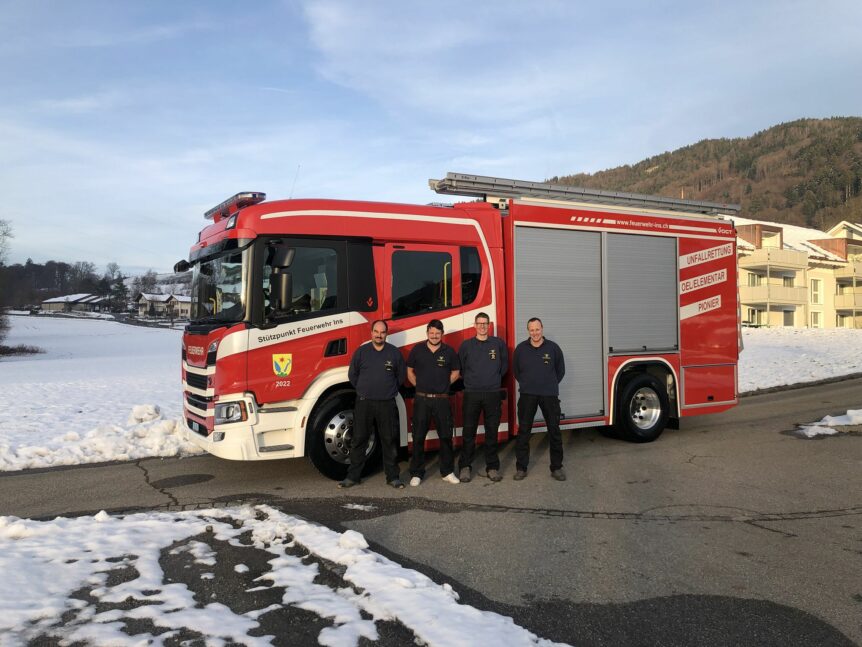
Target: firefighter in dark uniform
539 368
376 371
431 368
484 362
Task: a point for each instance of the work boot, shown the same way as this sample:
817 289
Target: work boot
464 475
520 475
346 483
558 474
492 474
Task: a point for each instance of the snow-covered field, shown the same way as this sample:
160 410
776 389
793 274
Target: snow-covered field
104 391
779 356
101 391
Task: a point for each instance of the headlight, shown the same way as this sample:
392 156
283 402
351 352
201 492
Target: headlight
226 412
212 347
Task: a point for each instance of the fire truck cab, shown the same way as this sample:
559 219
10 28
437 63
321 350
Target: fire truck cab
639 292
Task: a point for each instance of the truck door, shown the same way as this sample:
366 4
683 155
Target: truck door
423 283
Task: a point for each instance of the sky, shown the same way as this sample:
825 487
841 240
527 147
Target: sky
121 123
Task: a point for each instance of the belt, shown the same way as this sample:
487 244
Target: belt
432 395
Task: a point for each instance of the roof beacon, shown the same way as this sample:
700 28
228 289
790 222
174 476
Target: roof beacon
234 204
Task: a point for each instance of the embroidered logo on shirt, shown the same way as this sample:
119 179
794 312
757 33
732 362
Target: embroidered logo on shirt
441 360
492 354
546 358
388 365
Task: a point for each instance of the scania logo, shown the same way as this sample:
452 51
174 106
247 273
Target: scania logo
195 350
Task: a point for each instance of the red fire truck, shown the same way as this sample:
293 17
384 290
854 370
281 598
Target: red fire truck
640 293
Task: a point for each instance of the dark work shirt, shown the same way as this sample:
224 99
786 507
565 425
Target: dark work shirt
433 369
377 374
483 363
539 371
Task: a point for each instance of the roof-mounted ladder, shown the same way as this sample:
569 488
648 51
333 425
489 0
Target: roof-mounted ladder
493 189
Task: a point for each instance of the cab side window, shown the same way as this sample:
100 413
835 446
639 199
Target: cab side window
299 280
471 274
421 282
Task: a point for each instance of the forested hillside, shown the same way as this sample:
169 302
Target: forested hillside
806 172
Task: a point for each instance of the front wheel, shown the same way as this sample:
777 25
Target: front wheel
330 434
643 408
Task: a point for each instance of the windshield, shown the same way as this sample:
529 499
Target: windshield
218 293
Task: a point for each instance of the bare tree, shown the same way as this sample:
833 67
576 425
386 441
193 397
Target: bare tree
112 270
5 235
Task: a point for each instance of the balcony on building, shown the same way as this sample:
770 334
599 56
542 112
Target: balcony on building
852 271
773 294
777 259
849 300
768 252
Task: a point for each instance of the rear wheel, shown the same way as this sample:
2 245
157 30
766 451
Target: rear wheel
330 436
643 408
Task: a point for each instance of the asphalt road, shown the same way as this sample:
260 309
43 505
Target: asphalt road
728 531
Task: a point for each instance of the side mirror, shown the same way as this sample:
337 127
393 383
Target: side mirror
182 266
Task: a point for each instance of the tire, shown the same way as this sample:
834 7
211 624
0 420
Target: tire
642 409
327 441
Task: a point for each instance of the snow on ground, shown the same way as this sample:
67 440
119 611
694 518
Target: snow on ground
101 391
44 563
106 391
829 425
780 356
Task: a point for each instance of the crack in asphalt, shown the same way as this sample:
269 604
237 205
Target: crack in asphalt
161 491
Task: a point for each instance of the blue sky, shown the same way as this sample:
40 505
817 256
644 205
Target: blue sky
122 122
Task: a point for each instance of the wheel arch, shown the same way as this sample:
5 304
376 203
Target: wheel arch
331 382
658 367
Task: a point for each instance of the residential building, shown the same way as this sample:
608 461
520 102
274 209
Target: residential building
796 276
164 306
75 303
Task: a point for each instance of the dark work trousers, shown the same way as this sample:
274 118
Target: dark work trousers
550 406
368 414
424 410
475 403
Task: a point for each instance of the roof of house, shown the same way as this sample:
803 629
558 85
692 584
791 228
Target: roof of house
70 298
844 224
160 298
164 298
795 238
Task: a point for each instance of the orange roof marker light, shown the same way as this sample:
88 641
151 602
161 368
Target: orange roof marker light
234 204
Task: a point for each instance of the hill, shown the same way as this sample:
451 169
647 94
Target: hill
806 172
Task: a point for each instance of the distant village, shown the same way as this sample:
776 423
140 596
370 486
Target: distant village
145 306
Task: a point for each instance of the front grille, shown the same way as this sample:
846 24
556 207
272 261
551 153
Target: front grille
196 427
197 381
197 401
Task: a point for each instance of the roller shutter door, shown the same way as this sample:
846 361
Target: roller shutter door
558 279
642 293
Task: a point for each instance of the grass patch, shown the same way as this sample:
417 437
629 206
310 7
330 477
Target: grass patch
21 349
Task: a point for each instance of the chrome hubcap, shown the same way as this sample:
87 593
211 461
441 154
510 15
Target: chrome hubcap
338 437
645 408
